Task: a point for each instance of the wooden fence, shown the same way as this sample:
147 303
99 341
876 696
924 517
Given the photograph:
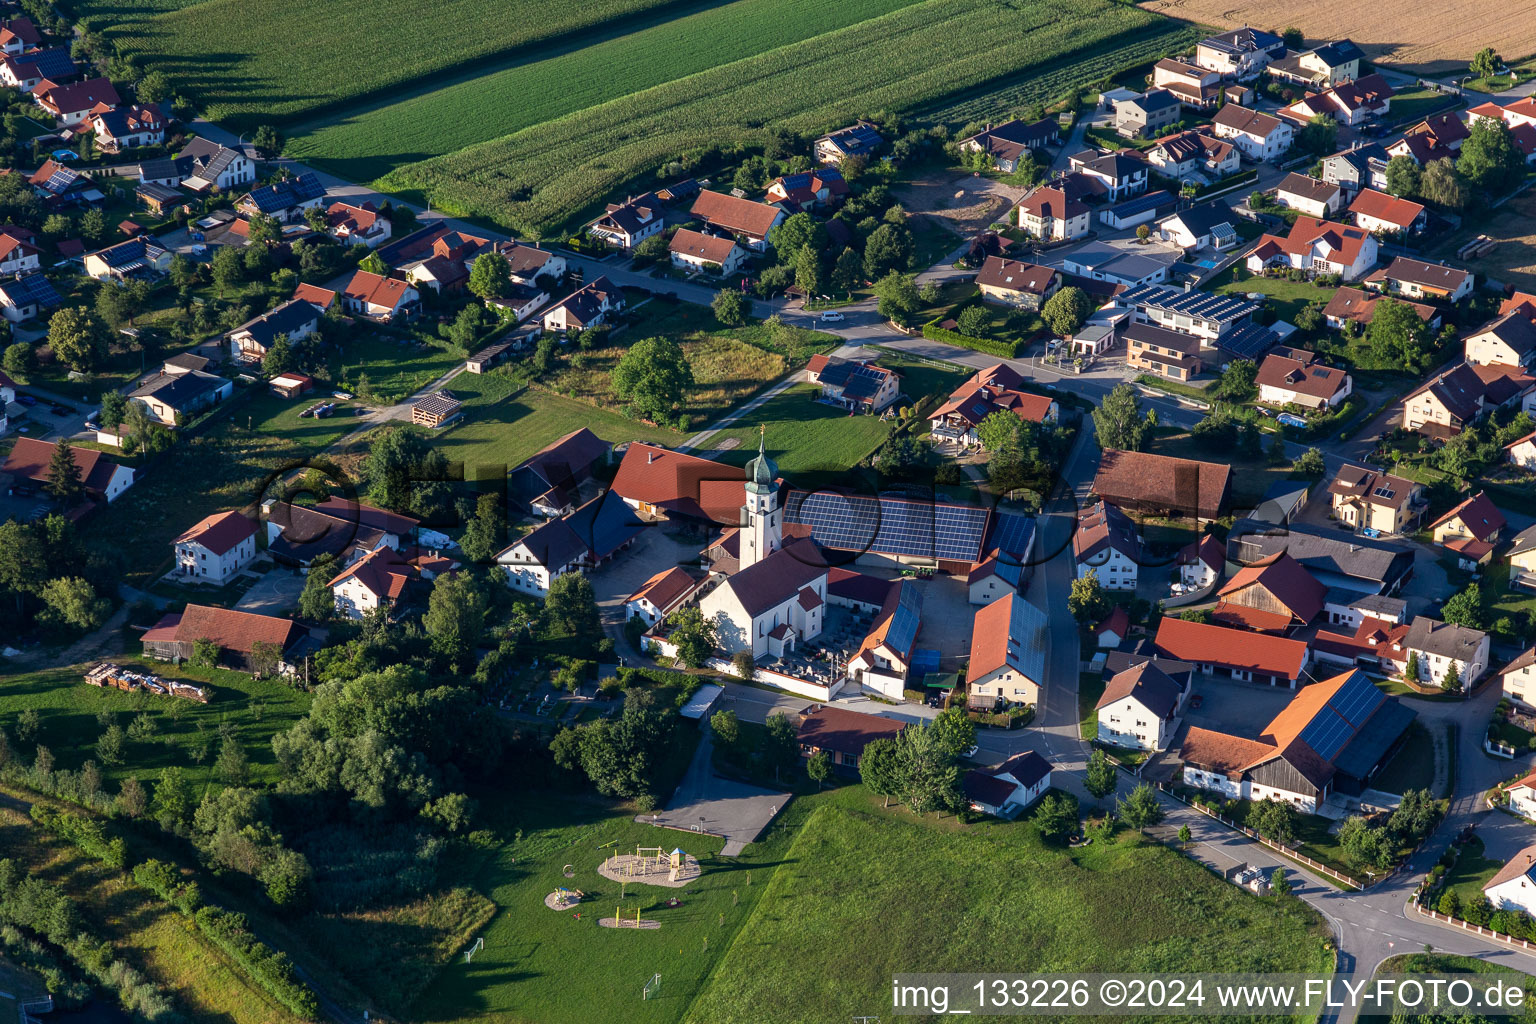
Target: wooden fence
1487 933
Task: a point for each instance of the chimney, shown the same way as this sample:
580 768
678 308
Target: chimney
650 456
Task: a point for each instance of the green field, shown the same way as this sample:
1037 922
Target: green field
803 435
863 894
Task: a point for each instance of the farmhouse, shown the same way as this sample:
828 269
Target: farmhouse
1317 247
1270 596
852 384
1259 136
217 548
631 222
1369 499
860 140
294 320
1010 787
1008 142
28 463
587 306
1106 544
1007 663
1016 283
1144 116
692 250
660 484
285 200
27 296
1239 653
244 639
842 734
377 580
1359 306
379 298
1380 213
578 542
550 480
128 127
1159 484
746 221
1140 707
987 391
1350 566
1296 378
1309 195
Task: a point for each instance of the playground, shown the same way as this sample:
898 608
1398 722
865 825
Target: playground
653 866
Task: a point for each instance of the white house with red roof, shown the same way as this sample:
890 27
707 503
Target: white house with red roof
1141 706
854 384
1380 213
1009 788
1318 247
701 253
1258 135
72 104
1513 887
588 306
1471 530
1054 213
1518 680
663 594
18 35
1297 378
1520 116
378 298
1239 653
217 548
1522 795
350 224
377 580
30 458
1202 562
988 390
17 253
746 221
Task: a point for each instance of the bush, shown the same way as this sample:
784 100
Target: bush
271 969
1007 349
85 833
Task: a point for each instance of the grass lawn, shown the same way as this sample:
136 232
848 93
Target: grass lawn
1413 767
1090 687
1286 297
925 895
1417 104
68 706
924 379
1250 477
803 435
932 242
1471 871
502 427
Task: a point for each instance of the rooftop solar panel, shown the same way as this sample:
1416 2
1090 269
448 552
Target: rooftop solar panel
1326 734
891 525
1011 533
1357 700
904 621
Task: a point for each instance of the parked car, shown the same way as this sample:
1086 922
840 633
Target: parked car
26 399
1196 701
970 751
832 316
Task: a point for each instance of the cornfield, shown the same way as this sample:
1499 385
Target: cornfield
543 176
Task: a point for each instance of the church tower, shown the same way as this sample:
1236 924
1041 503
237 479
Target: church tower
762 525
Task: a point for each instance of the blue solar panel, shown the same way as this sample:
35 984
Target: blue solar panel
1326 734
1357 700
902 633
924 661
1248 341
1011 534
891 525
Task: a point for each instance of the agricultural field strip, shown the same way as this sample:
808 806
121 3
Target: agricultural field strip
367 144
542 175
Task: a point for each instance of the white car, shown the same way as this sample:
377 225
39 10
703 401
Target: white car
970 751
832 316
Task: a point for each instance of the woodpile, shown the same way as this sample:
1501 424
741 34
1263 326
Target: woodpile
119 678
1482 245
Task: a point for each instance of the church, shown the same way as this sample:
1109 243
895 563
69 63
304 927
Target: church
777 595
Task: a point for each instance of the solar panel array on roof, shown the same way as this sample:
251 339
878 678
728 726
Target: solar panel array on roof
902 633
1142 203
891 525
1205 305
1336 723
33 289
1356 700
61 179
924 661
1248 341
1011 533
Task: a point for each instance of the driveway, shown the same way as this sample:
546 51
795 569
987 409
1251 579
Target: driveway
706 802
275 592
1243 709
657 548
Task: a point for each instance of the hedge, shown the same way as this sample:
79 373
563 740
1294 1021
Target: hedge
272 970
1007 349
84 833
164 881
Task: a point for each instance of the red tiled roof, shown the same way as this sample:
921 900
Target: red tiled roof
1222 752
1200 643
681 483
1286 580
30 457
665 588
382 572
1479 515
1117 622
1359 305
1380 206
230 629
1240 616
710 248
732 214
846 732
1307 378
375 290
1142 477
1522 863
220 532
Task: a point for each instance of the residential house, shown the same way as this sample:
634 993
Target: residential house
860 140
1151 484
1106 544
217 548
1141 706
809 189
1202 562
693 250
379 298
129 127
663 594
1196 87
295 319
29 461
1327 65
1522 451
61 187
1157 350
285 200
1358 168
842 734
1370 499
856 385
1445 405
18 35
1112 631
742 219
1519 685
1432 139
1318 247
1000 573
627 224
1144 116
886 655
1126 267
207 166
1332 738
1122 174
377 580
25 71
1522 560
1415 279
1143 209
239 636
1519 116
339 527
126 261
591 535
528 263
1241 53
1354 566
158 199
1016 283
1271 595
1297 378
1509 340
1008 788
1053 213
1513 887
1008 142
18 253
1259 136
1309 195
1470 530
1359 306
986 391
173 398
353 224
1206 315
1211 225
1442 647
1007 662
27 296
321 298
550 481
586 307
1239 653
1380 214
1197 155
74 104
1352 103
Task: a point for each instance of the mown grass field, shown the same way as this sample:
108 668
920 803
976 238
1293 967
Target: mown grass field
803 436
548 175
863 894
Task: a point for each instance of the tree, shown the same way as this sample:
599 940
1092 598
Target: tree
1102 776
545 354
954 731
880 769
1398 337
1310 463
653 375
1066 311
1444 185
898 296
484 535
64 482
317 602
1451 681
373 263
1185 836
455 617
1294 40
999 432
1415 815
781 747
172 800
285 876
1465 608
113 405
726 727
78 337
461 333
28 722
1490 157
233 766
93 226
819 767
1119 420
731 307
1319 136
694 635
571 606
1485 63
1056 816
1086 601
18 358
1279 884
798 231
404 471
847 271
1237 381
1403 176
1450 903
1273 819
118 304
278 358
1141 809
110 745
228 267
888 249
809 277
131 800
1143 232
932 782
268 141
71 603
491 275
1411 667
205 652
1362 845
